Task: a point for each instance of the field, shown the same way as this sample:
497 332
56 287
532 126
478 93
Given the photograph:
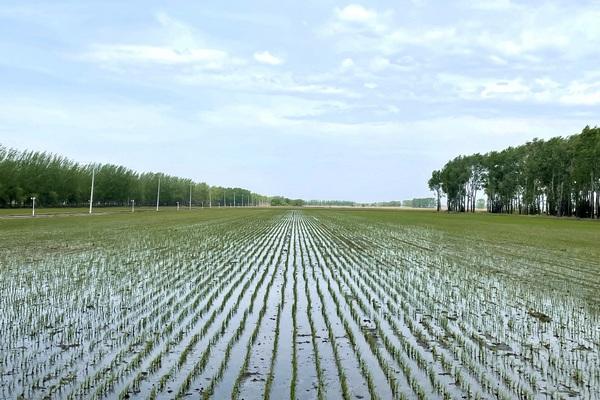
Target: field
299 303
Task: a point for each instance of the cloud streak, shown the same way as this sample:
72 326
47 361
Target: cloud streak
264 57
144 54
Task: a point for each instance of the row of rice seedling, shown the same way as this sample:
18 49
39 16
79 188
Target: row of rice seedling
233 310
445 363
377 300
294 304
501 357
220 385
103 312
183 354
332 374
369 296
428 323
316 355
279 305
352 326
362 317
446 302
228 294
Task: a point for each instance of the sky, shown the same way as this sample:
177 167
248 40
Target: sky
312 99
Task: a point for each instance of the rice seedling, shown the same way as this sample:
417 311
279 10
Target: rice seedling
291 304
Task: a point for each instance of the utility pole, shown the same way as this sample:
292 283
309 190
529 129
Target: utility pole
209 198
92 191
158 194
224 203
234 198
33 209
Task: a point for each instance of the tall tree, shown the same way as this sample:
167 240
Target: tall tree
435 185
560 176
57 181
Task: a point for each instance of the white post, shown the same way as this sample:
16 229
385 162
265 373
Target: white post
190 196
158 194
33 209
92 191
132 205
209 199
177 206
234 198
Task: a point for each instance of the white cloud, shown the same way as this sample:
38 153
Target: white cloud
525 42
513 31
514 88
491 5
278 112
127 53
365 31
498 60
355 18
539 90
309 118
379 64
356 13
265 83
347 64
177 33
469 88
179 45
265 57
579 93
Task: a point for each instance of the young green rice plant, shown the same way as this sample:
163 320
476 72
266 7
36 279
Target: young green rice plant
130 306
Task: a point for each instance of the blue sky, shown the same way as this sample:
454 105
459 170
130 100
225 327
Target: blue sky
313 99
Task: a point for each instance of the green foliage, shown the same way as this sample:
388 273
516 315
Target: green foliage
336 203
560 176
387 304
435 185
393 203
284 201
428 202
59 182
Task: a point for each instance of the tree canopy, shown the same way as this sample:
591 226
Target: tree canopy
58 181
427 202
559 176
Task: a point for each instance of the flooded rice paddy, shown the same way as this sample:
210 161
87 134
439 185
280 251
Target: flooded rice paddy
302 304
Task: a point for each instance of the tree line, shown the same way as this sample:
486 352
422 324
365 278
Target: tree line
427 202
279 201
336 203
559 176
56 181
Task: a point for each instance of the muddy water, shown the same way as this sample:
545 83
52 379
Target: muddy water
310 303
